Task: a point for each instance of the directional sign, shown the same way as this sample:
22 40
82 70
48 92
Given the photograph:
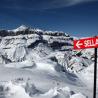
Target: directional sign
89 43
86 43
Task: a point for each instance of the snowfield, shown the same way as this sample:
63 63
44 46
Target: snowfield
36 63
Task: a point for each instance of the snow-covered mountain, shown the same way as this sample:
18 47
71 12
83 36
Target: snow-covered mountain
18 44
35 63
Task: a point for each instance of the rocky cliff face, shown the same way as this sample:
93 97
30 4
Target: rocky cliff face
16 44
25 43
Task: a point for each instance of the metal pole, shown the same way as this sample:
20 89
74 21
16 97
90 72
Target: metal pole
95 74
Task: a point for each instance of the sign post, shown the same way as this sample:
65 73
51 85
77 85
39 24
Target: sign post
95 74
89 43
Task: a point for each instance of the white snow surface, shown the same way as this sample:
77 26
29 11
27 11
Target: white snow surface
21 28
41 66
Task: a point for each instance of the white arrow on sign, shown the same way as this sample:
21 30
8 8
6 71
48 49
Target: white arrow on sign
78 44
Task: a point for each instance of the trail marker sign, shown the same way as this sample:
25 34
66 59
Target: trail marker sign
86 43
89 43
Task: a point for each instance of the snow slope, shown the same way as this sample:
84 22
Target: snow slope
36 63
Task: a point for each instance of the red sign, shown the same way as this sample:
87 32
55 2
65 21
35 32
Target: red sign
86 43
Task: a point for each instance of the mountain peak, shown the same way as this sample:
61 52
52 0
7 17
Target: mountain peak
21 28
28 30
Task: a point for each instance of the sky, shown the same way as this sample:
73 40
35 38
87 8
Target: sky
75 17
